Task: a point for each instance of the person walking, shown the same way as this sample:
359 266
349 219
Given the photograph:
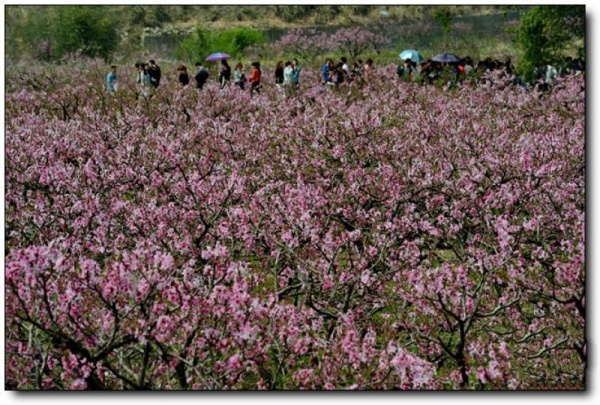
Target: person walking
279 74
255 76
225 74
346 69
368 68
239 76
201 75
326 71
143 78
154 72
111 79
288 73
184 79
296 73
338 76
357 70
407 70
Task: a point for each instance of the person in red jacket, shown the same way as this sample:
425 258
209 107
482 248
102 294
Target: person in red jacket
255 75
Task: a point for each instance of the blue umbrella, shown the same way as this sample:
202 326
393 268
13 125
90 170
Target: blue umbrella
412 55
445 58
217 56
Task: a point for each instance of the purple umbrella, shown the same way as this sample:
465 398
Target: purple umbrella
217 56
445 58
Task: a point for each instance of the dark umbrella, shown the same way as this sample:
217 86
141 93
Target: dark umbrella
217 56
445 58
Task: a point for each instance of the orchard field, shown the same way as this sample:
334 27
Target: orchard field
383 236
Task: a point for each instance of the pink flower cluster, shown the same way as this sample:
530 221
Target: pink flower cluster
395 237
353 41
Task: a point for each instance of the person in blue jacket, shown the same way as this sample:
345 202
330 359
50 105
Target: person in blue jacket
296 73
111 79
326 70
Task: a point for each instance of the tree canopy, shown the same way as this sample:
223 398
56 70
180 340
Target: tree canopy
545 32
49 33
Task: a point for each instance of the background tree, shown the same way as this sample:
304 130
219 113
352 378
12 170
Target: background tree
352 41
152 16
233 41
28 33
191 48
86 30
357 40
304 42
443 16
546 31
48 33
293 13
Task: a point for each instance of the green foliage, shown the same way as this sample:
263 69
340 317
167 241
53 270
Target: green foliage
545 32
443 16
85 30
293 13
152 16
360 9
232 41
193 48
28 34
156 16
235 40
327 13
48 33
147 16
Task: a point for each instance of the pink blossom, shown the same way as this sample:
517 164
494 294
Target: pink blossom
234 362
321 239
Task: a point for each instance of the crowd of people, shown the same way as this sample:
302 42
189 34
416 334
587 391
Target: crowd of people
287 75
148 76
335 74
431 72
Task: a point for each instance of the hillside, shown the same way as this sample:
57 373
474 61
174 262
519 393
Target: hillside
280 16
46 32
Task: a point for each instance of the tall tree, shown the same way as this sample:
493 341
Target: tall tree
443 16
545 32
50 32
88 30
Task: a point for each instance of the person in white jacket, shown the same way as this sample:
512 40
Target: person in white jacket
288 74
